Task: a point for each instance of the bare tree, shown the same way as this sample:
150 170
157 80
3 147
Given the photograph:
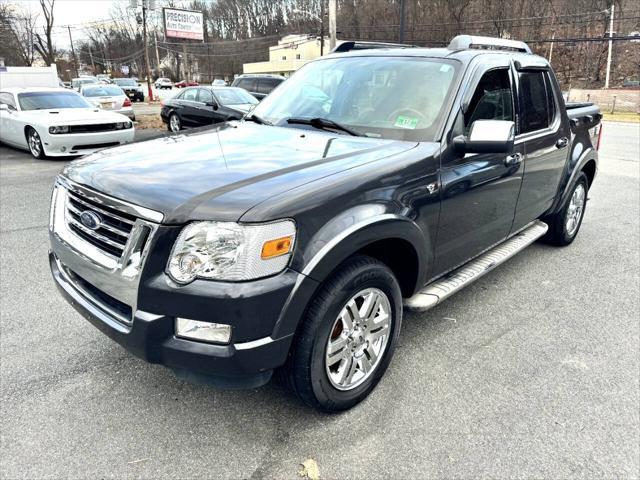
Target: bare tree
44 43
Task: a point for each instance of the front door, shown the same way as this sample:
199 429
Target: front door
478 192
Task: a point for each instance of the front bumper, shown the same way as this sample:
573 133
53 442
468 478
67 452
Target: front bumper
151 337
83 143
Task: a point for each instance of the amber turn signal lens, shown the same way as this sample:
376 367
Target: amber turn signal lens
277 247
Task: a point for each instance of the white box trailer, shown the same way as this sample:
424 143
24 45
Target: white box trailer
29 76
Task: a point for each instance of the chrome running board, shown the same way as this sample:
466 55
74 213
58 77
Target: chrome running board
437 291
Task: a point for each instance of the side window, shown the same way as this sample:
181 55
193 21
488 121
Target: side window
7 99
205 96
190 95
535 102
492 100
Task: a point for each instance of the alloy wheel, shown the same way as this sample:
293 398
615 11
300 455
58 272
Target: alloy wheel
574 212
35 145
174 122
358 339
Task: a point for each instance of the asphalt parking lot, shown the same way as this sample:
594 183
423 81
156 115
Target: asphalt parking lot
533 371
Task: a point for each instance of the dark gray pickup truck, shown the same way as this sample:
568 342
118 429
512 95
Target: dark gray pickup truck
290 241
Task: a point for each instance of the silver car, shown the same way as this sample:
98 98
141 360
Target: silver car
108 97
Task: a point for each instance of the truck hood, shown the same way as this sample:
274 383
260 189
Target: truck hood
72 116
218 174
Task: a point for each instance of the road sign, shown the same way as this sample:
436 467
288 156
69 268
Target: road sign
124 69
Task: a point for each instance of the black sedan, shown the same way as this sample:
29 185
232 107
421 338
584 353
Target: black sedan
198 106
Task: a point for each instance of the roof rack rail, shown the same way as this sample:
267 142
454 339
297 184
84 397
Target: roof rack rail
465 42
355 45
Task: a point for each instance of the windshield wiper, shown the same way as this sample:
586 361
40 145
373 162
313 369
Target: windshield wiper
254 118
323 124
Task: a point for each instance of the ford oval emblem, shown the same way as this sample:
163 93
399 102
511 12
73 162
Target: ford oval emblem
90 219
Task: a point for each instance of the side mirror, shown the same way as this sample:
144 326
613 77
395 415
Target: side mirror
487 136
213 105
4 107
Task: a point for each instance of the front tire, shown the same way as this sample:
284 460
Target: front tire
34 143
347 337
565 224
174 125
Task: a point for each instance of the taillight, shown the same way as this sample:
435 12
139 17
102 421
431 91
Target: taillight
127 102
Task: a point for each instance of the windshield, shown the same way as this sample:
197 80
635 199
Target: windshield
385 97
102 91
51 100
234 96
126 82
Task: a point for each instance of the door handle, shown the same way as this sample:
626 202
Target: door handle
562 142
514 159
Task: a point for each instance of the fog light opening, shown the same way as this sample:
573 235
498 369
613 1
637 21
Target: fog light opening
203 331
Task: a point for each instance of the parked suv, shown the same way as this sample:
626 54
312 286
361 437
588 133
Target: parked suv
291 240
258 85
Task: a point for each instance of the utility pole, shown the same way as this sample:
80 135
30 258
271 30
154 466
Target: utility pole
606 81
553 37
401 36
93 65
73 53
322 27
333 9
146 48
185 61
155 37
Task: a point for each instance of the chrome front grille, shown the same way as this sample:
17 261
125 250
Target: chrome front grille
113 228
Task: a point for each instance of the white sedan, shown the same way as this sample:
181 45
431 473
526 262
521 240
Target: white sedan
56 122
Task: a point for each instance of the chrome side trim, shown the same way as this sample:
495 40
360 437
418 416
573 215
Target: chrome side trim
130 208
437 291
253 343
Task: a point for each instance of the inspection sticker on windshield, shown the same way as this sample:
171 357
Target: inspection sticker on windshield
406 122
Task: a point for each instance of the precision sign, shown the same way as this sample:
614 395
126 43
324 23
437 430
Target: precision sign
183 24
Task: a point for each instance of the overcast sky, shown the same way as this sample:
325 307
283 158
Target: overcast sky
76 13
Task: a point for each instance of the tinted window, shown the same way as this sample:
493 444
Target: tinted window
7 99
51 100
190 94
536 102
492 100
126 82
247 84
265 85
205 96
102 91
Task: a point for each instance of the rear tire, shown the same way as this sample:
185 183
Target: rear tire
565 224
174 125
347 338
34 142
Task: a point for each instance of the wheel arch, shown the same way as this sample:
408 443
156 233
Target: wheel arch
392 239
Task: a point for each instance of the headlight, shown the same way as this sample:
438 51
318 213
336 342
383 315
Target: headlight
230 251
59 129
123 125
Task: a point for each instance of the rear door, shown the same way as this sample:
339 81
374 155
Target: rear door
545 138
478 192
